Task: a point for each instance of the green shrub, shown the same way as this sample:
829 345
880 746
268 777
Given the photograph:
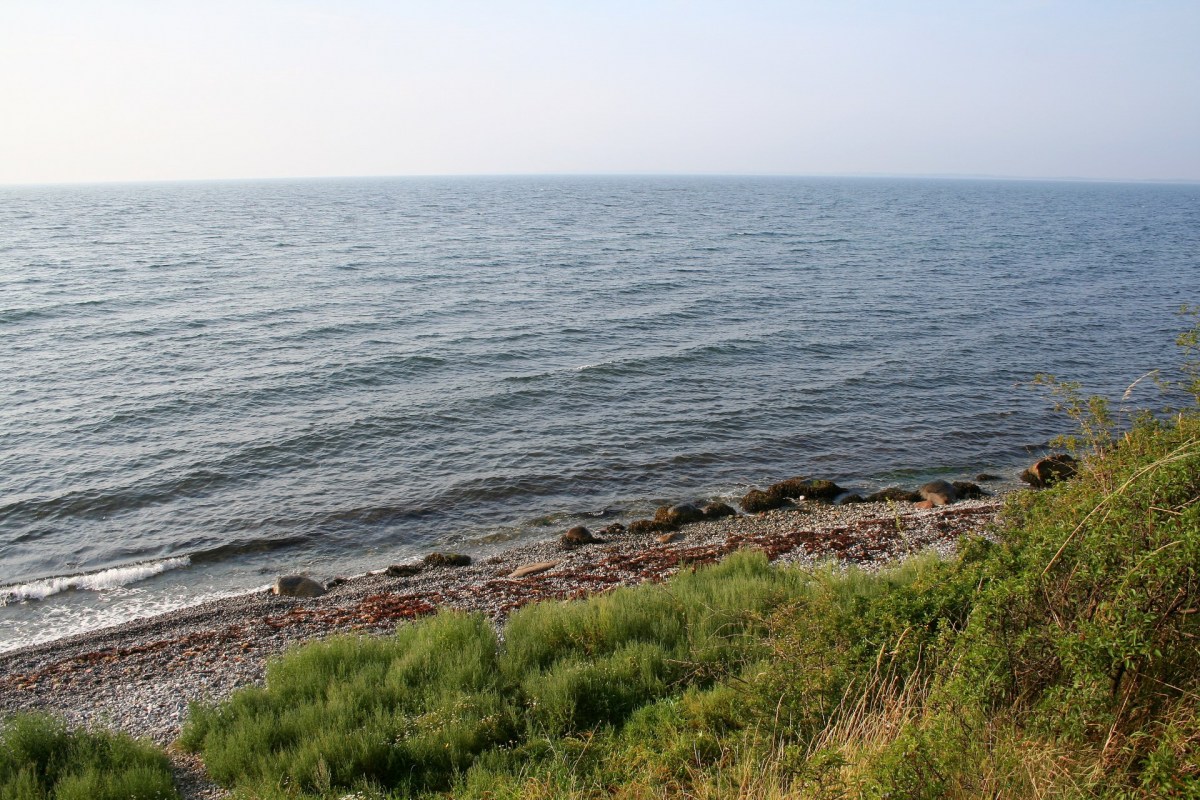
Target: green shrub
413 711
41 760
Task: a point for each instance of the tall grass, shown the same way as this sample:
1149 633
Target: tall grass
414 712
41 760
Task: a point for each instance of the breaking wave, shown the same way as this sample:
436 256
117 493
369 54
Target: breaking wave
92 581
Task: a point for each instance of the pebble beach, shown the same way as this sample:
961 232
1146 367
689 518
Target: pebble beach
139 677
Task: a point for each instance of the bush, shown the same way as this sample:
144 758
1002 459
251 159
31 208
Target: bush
41 760
412 712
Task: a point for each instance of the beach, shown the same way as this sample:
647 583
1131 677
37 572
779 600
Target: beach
139 677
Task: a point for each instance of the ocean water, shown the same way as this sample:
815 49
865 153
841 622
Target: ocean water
205 385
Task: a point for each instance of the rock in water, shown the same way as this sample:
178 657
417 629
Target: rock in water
577 536
298 586
940 493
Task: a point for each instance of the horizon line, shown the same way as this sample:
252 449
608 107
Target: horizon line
614 174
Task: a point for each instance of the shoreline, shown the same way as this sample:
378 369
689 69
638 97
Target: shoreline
139 676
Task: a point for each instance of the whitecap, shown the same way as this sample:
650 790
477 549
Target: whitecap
92 581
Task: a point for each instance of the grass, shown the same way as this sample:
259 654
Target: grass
41 760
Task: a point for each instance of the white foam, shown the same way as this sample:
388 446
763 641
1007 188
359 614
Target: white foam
93 581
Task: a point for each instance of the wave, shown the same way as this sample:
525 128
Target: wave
92 581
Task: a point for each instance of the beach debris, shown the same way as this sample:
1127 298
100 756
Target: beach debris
297 586
1049 470
939 492
577 536
447 560
716 509
533 569
402 570
667 538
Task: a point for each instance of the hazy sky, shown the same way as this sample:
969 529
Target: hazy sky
112 90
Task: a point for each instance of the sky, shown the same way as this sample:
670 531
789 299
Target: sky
117 90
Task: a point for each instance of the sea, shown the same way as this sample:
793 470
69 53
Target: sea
205 385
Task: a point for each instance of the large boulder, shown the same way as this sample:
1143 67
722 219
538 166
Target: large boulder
297 586
1050 470
940 493
756 501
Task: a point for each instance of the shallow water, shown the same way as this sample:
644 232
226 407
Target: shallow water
207 384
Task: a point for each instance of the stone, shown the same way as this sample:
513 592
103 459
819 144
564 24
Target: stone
678 515
402 570
894 494
849 499
1050 470
533 569
447 560
940 493
756 501
717 509
667 538
985 477
577 536
297 586
967 490
614 529
338 581
924 504
816 490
